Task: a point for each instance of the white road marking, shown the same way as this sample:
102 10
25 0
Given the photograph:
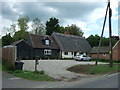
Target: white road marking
13 78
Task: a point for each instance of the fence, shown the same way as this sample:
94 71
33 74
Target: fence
9 54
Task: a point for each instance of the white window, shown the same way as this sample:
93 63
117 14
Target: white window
104 54
47 52
65 53
47 42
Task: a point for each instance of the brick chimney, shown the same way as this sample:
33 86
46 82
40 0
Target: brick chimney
66 33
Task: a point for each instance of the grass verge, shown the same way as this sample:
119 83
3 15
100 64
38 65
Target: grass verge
94 69
31 75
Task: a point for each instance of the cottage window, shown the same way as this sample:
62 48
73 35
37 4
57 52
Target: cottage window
104 54
47 52
47 42
66 53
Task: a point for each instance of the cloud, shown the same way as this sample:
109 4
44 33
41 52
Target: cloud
87 15
8 12
65 10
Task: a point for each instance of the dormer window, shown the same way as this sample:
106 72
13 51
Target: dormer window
47 42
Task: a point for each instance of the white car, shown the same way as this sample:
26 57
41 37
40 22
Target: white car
82 58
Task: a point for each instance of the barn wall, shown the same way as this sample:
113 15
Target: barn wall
23 50
40 52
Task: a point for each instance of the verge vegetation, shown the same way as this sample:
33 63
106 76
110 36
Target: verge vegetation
95 69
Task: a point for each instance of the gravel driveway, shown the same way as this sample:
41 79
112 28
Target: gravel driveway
56 68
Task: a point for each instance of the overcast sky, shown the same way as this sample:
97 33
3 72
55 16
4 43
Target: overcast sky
88 16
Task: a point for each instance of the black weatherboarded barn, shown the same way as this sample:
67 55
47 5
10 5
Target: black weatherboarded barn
22 49
44 46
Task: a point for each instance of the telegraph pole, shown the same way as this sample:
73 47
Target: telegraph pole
110 35
101 35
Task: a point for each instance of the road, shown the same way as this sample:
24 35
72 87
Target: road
110 81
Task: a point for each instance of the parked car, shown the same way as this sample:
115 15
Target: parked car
82 58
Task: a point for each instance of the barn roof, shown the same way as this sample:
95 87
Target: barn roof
102 49
72 43
37 41
17 42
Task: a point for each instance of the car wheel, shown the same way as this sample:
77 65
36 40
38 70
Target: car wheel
82 59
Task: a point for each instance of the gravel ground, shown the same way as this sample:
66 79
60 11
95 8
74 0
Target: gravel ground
57 68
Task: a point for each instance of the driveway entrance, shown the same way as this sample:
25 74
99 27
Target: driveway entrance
56 68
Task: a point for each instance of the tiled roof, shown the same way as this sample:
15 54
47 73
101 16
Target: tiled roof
37 41
102 50
72 43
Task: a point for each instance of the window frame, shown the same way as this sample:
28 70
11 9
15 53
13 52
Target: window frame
47 42
47 52
65 53
104 54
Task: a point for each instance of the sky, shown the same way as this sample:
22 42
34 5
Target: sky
86 14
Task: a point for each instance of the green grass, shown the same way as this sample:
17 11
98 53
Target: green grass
0 66
95 69
31 75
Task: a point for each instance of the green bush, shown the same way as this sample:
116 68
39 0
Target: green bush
7 66
55 56
42 72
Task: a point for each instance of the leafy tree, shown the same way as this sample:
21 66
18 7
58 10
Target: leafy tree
74 30
52 26
61 29
7 40
94 41
20 35
38 27
22 23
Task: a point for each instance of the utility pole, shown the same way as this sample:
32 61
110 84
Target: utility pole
110 35
102 34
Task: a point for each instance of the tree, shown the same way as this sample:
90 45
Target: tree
38 27
22 23
7 40
74 30
10 30
13 28
20 35
52 26
61 29
94 41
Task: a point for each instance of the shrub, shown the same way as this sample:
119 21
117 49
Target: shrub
55 56
7 65
42 72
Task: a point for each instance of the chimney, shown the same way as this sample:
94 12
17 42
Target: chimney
66 33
